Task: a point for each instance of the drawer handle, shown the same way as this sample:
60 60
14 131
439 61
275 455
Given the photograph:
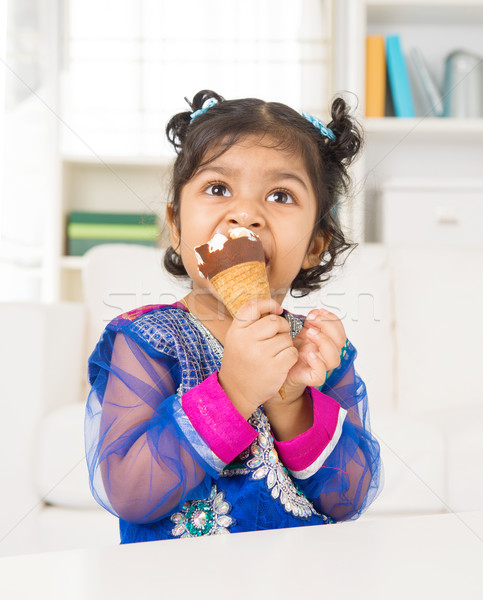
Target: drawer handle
448 221
446 215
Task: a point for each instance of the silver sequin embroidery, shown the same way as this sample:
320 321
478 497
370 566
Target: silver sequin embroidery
203 517
265 464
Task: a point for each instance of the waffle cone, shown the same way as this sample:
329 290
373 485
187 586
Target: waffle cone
240 283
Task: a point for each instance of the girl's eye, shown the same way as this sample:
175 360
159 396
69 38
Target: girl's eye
217 189
281 197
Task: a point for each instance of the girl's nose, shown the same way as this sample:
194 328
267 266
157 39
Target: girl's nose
246 215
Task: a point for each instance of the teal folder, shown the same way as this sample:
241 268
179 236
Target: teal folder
399 83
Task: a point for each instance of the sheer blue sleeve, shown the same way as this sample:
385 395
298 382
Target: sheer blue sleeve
142 464
351 476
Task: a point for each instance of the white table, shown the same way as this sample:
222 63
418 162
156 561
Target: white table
439 556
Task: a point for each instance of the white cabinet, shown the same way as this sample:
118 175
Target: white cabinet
425 148
421 211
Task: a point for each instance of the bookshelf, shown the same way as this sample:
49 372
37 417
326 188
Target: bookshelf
130 184
430 150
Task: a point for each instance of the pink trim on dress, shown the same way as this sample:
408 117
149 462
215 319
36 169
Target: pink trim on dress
303 451
217 421
132 315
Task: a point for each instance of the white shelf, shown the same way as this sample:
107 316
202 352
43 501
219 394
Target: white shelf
419 3
71 263
424 12
458 129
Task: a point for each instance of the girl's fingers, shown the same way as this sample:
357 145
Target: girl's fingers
308 346
327 323
310 370
264 314
327 348
270 326
318 369
279 343
334 331
287 358
252 310
322 315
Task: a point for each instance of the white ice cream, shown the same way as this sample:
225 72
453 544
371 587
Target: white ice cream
217 242
239 232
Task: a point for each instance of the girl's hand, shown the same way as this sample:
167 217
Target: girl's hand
319 345
259 352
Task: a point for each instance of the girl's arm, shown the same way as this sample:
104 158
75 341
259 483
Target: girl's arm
342 477
144 454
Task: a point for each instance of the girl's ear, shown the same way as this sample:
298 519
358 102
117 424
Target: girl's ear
173 230
314 254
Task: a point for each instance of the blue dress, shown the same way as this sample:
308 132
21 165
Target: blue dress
151 467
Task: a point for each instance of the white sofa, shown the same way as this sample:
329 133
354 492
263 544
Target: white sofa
413 313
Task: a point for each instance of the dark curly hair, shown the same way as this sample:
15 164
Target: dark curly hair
326 161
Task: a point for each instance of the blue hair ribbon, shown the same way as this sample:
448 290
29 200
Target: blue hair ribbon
320 125
206 105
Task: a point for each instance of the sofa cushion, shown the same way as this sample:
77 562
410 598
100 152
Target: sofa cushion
61 469
439 325
414 461
359 293
119 277
462 431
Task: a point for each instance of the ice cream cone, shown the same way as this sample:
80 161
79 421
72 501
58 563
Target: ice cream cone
236 269
240 283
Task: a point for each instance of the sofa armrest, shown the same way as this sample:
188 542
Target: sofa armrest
41 354
40 369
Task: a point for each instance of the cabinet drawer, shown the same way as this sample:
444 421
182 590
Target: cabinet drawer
419 211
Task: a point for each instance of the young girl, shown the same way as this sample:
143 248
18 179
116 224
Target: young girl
186 432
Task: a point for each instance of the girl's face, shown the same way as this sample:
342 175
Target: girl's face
251 185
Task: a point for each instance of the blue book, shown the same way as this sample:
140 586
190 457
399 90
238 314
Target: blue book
398 78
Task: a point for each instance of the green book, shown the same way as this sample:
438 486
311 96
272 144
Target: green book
116 218
108 231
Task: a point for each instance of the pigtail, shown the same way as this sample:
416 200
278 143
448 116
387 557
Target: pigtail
348 133
177 129
336 156
201 97
178 126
